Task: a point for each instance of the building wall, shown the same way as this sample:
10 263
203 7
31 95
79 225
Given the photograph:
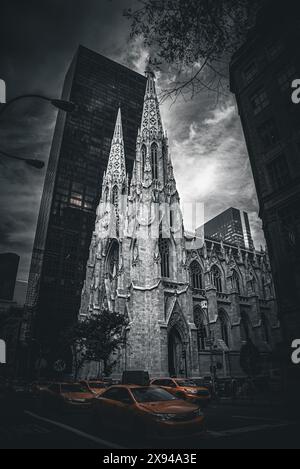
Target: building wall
252 297
9 264
262 72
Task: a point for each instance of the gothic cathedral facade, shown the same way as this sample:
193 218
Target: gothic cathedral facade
142 264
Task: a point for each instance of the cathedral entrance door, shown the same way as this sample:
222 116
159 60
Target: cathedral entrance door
176 354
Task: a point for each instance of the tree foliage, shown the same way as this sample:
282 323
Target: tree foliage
195 38
105 337
97 339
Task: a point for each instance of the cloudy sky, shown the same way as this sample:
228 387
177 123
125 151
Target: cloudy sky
37 42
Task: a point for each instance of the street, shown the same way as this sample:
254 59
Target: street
228 426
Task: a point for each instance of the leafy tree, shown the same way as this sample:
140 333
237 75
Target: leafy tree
195 38
97 338
75 339
105 338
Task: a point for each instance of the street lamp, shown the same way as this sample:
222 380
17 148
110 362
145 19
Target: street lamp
61 104
38 164
204 307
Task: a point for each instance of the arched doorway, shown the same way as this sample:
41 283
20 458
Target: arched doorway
176 354
178 343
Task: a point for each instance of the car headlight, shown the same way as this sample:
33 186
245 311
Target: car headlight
77 401
192 391
164 417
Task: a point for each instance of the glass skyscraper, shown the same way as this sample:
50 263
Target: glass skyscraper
231 226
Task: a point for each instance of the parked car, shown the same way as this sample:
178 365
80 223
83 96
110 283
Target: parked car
185 389
96 387
37 386
147 410
66 396
205 382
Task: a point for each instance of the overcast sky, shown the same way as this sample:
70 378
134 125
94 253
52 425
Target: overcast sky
37 42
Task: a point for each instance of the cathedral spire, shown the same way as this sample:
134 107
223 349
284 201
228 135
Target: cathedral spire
116 169
151 122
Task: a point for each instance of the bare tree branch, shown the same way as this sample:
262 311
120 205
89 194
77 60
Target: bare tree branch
189 34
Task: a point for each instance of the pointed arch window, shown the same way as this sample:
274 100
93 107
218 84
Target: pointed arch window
196 275
144 156
245 327
252 283
164 250
106 194
112 265
265 326
236 282
217 279
264 288
224 324
201 328
154 161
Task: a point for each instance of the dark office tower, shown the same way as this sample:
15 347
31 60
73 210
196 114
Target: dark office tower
79 156
231 226
262 73
9 264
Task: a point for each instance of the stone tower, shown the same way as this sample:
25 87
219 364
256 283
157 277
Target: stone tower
137 263
103 266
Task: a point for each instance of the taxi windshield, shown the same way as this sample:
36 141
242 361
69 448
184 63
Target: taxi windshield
144 395
186 382
68 388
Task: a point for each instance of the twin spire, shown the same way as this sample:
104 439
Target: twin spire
151 122
116 169
151 131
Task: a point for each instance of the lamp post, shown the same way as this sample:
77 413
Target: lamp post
38 164
60 104
204 307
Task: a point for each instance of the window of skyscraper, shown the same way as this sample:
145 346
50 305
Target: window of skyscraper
250 72
274 49
286 77
268 133
278 172
259 101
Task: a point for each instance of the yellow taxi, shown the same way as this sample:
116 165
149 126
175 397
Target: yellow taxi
185 389
147 410
66 396
95 386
